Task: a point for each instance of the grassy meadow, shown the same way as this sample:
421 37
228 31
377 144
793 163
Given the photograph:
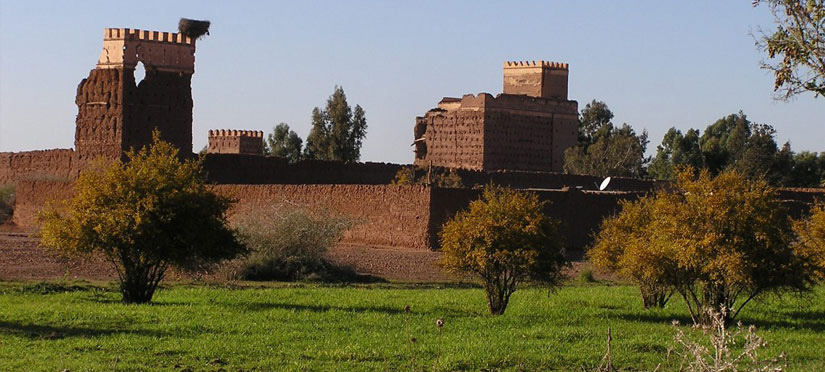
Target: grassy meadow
309 327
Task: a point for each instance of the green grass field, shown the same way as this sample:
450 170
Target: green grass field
364 328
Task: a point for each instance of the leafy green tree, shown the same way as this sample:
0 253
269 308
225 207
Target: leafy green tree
798 45
807 169
724 140
284 143
595 119
677 149
616 152
144 215
604 149
504 238
717 242
337 131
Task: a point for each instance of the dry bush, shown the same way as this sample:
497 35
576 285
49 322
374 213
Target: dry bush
440 177
288 244
725 350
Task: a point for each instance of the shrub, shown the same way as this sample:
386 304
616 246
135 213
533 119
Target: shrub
439 177
810 241
622 246
6 202
144 215
289 244
504 239
718 242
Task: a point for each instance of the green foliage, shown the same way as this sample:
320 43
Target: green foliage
718 242
799 45
504 239
284 143
811 240
604 149
6 202
288 244
144 215
807 169
676 150
440 177
231 328
734 143
337 131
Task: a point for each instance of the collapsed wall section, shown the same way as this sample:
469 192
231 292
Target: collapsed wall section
42 164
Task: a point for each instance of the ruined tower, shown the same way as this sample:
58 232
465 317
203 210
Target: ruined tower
526 128
116 113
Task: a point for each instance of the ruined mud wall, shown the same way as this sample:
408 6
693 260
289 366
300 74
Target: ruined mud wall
250 169
162 101
580 213
99 123
116 114
506 132
43 164
32 196
396 216
453 139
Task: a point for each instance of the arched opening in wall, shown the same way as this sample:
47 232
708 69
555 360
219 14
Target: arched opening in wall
140 73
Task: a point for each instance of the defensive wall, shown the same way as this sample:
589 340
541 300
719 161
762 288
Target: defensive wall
408 217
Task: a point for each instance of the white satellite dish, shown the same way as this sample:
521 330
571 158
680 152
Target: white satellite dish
604 184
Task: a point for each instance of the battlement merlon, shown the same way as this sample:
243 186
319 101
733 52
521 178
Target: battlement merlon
543 79
161 51
235 133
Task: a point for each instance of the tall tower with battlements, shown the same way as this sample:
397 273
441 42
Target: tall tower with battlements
117 113
526 128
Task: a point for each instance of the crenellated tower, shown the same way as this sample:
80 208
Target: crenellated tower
232 141
527 127
116 113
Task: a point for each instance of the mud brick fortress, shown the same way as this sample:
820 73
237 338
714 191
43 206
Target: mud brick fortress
516 139
527 127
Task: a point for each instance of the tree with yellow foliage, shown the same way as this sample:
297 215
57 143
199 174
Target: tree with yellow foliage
811 239
143 215
504 239
719 242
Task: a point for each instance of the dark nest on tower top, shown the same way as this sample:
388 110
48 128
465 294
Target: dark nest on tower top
193 28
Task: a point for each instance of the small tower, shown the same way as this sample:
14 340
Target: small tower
231 141
544 79
116 113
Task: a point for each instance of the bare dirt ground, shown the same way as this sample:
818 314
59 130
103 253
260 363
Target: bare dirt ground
21 258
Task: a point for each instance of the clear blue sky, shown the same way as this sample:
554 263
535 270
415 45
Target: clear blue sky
657 64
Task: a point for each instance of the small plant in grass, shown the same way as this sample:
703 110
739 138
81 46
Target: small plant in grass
586 275
725 350
504 239
6 202
289 243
